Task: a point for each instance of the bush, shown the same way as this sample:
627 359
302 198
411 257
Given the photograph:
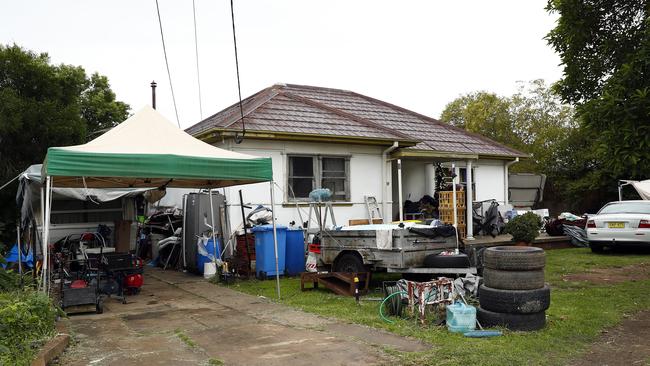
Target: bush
26 321
524 228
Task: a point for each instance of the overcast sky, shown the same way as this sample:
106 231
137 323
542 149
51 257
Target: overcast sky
417 54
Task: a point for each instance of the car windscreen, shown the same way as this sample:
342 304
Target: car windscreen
626 207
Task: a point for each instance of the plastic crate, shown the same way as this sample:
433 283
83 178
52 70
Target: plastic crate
446 199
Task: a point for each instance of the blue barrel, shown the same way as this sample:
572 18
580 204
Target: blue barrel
295 258
265 252
202 259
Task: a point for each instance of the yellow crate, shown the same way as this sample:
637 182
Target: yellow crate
462 231
446 215
446 199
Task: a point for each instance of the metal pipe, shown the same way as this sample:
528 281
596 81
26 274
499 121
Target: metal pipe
384 180
243 218
469 191
399 188
505 180
20 255
275 242
214 236
153 94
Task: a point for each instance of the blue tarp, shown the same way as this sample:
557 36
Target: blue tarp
12 257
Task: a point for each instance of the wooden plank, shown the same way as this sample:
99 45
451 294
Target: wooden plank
356 222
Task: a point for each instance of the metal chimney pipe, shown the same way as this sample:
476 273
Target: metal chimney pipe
153 94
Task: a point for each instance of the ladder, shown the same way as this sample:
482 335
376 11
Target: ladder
319 216
373 208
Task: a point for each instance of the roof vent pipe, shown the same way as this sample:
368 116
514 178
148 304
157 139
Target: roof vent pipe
153 94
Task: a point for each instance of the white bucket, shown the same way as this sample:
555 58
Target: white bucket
209 270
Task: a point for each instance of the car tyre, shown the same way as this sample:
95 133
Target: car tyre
596 248
514 301
446 261
520 322
514 258
513 280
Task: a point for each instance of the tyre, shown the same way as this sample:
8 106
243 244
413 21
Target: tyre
522 322
446 261
596 248
513 280
512 258
417 277
514 301
349 262
394 304
99 307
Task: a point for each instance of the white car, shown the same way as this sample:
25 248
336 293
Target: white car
619 223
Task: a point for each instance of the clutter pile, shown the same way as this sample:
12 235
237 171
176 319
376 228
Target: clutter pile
514 294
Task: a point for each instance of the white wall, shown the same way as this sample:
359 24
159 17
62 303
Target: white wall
365 179
488 177
489 180
413 180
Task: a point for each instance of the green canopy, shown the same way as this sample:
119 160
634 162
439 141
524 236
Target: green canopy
147 150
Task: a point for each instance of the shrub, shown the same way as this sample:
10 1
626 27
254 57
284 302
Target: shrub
524 228
26 320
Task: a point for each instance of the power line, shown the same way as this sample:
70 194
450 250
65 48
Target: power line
169 75
196 50
238 139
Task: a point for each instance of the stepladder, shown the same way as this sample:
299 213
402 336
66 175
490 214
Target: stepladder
373 208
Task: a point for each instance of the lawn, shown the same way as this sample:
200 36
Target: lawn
579 312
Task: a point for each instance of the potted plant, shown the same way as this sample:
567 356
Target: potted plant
524 228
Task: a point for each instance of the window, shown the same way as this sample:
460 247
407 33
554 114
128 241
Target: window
307 173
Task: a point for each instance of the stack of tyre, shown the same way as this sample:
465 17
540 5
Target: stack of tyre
513 294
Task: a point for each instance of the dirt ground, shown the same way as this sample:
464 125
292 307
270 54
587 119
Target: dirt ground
629 342
626 344
179 319
612 275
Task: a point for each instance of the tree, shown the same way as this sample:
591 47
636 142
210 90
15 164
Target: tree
604 46
43 105
533 121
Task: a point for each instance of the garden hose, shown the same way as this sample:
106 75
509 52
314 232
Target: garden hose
381 306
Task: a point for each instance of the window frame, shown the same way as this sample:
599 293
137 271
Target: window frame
317 179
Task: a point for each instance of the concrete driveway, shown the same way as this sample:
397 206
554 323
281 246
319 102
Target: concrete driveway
180 319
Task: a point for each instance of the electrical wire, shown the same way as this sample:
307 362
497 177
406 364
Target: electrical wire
169 75
9 182
238 139
196 51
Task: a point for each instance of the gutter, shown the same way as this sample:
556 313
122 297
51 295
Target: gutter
505 180
384 180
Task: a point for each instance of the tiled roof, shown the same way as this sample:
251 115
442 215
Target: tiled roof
323 111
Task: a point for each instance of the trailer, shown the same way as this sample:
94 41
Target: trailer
391 248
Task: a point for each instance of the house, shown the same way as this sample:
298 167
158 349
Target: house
355 145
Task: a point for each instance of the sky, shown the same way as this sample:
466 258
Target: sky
419 55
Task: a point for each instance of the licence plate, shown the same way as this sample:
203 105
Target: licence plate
616 225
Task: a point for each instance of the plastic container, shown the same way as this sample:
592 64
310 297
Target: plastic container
461 318
209 270
202 259
295 252
265 252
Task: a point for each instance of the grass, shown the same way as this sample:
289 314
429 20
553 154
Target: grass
185 338
578 314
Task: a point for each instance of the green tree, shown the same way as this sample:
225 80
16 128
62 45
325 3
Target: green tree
604 46
43 105
533 121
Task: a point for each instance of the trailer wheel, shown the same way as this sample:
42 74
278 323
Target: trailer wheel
349 262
